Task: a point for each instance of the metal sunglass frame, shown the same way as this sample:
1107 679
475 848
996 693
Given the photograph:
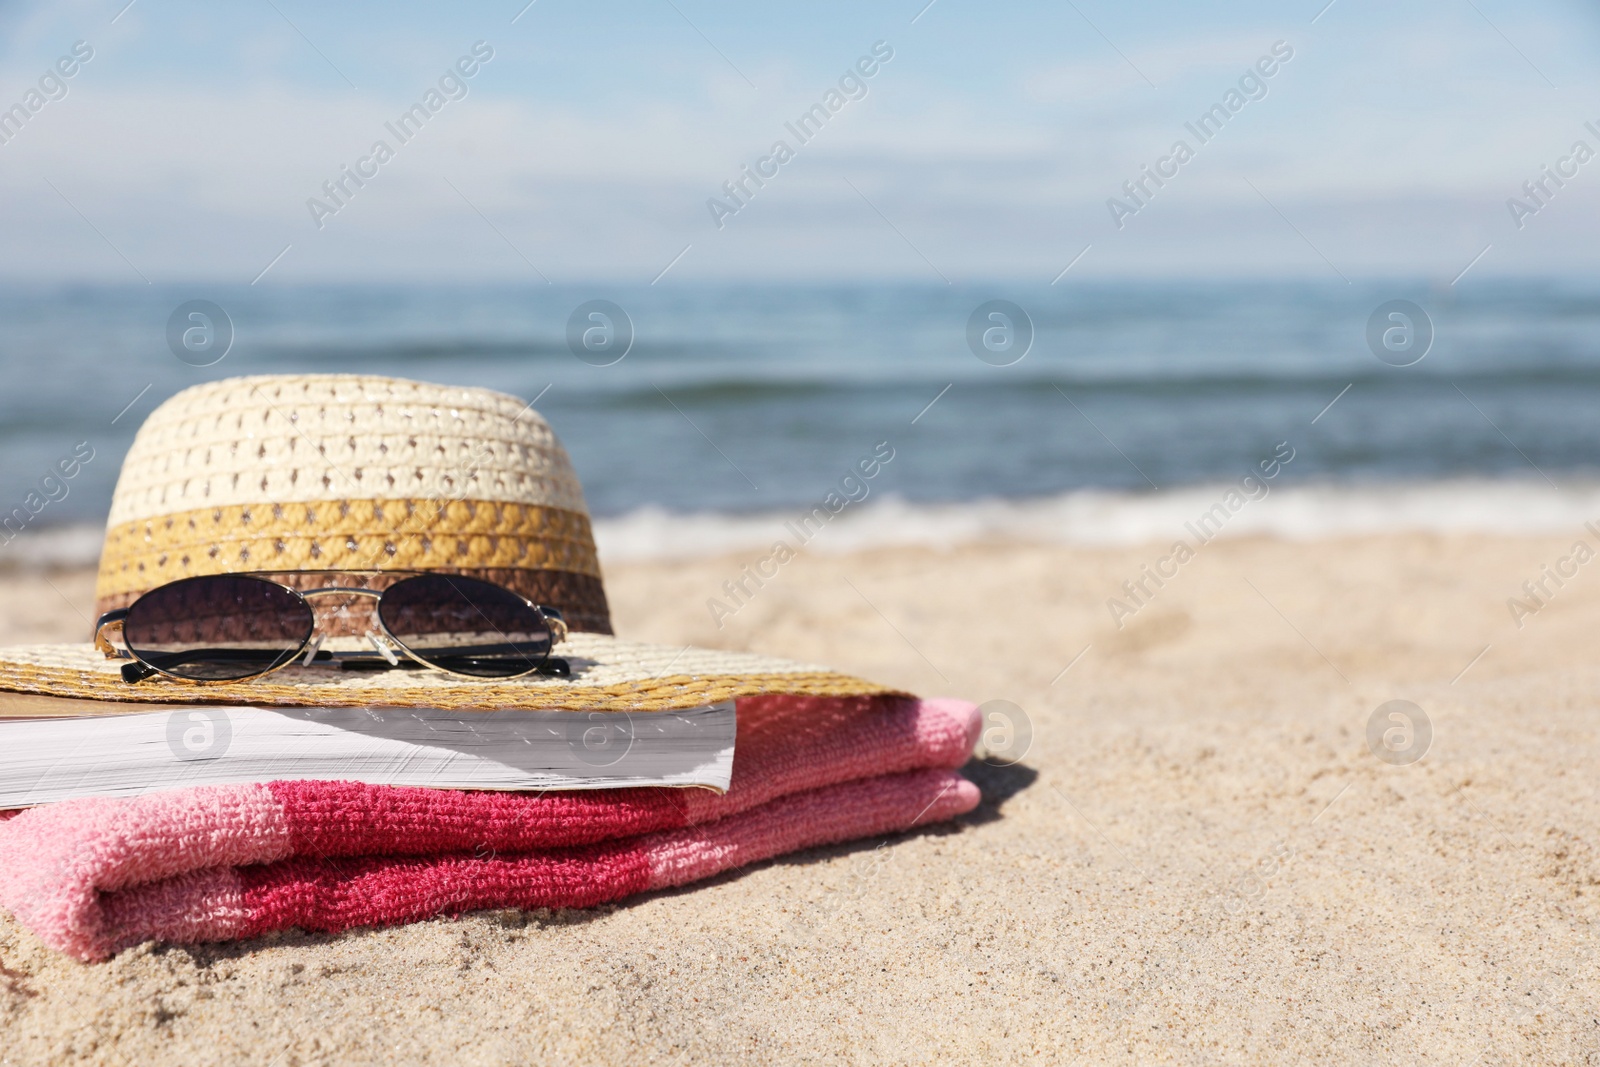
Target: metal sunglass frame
380 658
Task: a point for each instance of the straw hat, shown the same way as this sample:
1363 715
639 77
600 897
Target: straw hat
356 472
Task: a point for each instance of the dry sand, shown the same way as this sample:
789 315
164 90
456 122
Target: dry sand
1199 859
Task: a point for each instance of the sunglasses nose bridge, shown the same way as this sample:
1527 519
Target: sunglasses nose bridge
339 611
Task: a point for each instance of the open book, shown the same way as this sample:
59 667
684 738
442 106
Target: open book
55 748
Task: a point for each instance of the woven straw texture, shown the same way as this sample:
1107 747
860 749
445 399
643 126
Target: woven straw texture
342 472
607 675
346 472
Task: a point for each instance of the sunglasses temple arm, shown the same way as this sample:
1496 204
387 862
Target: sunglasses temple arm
136 672
103 642
132 672
558 623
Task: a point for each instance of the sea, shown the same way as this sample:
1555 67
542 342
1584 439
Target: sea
701 418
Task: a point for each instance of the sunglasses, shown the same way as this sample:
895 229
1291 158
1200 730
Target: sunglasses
233 627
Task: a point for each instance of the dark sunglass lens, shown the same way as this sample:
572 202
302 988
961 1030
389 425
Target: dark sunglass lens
466 626
218 627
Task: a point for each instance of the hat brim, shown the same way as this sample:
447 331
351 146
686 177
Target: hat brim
607 675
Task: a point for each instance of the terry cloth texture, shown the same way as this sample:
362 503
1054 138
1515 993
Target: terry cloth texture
93 876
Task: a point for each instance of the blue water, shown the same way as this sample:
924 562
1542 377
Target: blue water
752 399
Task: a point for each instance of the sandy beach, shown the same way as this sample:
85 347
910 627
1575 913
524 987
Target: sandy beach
1198 860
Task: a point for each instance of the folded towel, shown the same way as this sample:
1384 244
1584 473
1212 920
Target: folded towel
223 903
96 875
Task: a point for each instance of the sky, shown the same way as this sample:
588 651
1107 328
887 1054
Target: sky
989 141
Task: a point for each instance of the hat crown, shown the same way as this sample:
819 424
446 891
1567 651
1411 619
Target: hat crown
351 472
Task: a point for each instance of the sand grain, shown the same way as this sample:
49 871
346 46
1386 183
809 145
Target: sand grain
1199 859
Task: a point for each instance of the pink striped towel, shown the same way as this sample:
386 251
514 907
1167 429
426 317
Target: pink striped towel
94 876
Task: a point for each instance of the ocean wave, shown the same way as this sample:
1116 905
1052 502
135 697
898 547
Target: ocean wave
1089 517
709 383
54 547
1102 518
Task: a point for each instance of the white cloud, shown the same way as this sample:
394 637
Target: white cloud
1360 138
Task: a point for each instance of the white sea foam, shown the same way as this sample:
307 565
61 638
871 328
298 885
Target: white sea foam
54 547
1086 517
1094 517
